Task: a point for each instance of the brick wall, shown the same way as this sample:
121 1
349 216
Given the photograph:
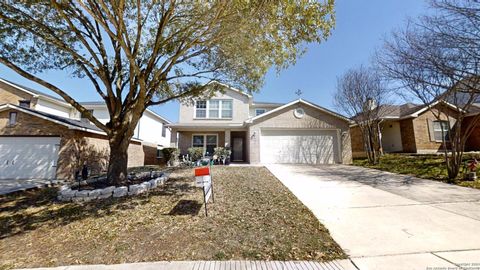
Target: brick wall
473 141
150 151
76 147
358 149
408 136
313 119
423 142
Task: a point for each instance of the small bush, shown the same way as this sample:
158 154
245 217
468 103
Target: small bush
196 153
170 154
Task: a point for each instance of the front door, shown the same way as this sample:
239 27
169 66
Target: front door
237 149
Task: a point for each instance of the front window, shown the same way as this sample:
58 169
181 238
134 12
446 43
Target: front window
12 118
201 109
259 111
227 109
207 142
440 130
214 109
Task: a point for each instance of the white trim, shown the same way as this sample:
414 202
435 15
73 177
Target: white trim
207 109
18 87
295 102
231 88
430 106
205 140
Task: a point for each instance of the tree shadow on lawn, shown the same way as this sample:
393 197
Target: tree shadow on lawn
30 210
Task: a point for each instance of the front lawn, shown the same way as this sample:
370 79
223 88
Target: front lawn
254 217
422 166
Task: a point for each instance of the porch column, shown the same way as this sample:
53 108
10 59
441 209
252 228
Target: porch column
173 138
227 138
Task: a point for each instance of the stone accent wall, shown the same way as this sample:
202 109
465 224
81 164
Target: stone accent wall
76 147
9 94
408 136
313 119
358 149
185 139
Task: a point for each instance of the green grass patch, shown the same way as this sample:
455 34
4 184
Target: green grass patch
423 166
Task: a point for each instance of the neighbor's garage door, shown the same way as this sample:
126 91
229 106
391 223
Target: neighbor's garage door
28 157
298 146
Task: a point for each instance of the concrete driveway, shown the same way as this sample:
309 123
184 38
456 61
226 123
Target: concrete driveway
389 221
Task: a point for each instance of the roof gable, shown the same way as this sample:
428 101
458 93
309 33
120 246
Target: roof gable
300 101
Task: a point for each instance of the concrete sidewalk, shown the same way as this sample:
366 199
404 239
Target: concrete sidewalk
217 265
390 221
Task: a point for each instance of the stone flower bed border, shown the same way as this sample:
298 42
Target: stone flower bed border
67 194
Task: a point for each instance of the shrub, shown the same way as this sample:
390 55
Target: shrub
196 153
222 152
170 154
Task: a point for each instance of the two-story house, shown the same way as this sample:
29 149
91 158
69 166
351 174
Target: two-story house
43 137
262 132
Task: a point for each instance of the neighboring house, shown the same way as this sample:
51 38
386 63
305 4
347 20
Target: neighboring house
44 137
262 132
411 128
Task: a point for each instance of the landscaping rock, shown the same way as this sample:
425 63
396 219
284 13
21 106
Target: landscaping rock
89 199
68 193
137 189
63 187
82 194
153 183
120 192
95 193
107 190
104 196
147 185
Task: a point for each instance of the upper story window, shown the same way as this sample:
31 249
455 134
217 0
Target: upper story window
83 114
24 103
259 111
214 109
12 118
164 130
440 130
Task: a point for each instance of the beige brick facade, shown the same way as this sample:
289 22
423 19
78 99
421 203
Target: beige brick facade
9 94
313 119
76 146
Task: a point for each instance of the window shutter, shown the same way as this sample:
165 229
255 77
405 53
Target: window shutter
430 130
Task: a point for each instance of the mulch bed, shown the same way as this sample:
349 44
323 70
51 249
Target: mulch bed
254 217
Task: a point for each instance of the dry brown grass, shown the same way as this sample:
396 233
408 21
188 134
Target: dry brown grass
254 217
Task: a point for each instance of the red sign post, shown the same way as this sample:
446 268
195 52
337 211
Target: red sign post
203 179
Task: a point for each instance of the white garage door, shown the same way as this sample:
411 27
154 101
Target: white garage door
28 157
298 146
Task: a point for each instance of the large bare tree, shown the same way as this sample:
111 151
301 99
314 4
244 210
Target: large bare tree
140 53
436 59
362 95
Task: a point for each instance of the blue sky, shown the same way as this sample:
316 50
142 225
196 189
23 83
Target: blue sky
360 27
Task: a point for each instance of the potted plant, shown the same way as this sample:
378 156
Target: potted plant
223 153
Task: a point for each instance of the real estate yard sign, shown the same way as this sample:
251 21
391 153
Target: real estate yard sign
203 179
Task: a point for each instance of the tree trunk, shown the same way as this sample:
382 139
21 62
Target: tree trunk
118 161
